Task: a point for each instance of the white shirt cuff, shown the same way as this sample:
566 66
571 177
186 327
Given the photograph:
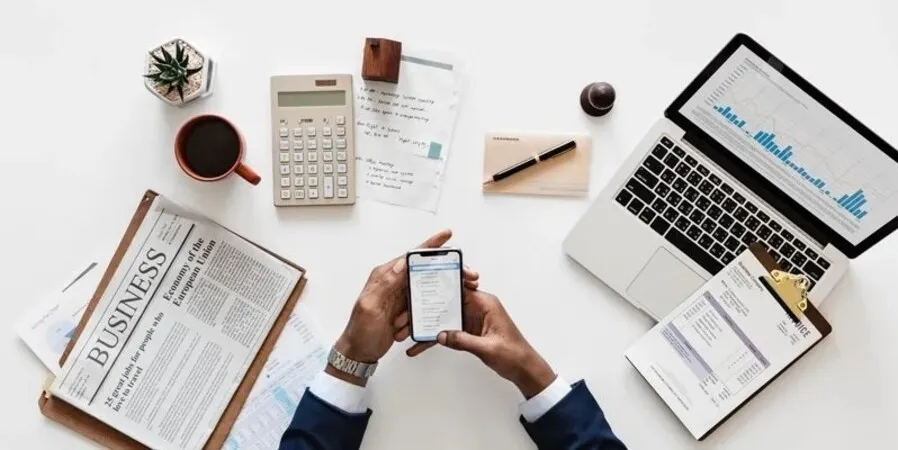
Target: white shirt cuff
540 404
341 394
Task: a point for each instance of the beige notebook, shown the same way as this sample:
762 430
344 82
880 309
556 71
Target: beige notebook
566 175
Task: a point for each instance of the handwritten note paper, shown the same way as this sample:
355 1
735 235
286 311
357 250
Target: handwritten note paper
404 130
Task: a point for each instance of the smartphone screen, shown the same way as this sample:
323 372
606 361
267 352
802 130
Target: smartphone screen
434 278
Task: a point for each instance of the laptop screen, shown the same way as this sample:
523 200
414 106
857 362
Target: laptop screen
797 144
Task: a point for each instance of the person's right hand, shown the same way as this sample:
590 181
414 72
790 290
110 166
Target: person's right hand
491 335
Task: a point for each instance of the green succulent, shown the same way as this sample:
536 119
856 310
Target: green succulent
173 71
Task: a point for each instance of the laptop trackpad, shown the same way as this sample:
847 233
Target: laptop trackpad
664 283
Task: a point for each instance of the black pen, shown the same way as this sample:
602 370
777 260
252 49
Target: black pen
530 162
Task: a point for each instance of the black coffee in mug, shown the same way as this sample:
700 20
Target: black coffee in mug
210 147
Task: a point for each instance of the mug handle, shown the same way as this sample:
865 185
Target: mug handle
247 174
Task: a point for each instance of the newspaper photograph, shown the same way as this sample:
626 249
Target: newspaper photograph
176 330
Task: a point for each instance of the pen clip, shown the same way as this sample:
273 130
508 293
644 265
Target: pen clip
791 291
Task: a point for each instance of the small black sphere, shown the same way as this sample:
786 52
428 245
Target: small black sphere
597 99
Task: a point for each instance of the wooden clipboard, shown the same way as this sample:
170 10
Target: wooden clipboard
785 289
812 313
87 425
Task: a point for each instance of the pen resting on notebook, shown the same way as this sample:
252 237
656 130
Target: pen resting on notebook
532 161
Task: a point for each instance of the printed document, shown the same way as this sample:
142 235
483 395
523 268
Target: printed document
720 346
174 333
295 361
404 131
48 327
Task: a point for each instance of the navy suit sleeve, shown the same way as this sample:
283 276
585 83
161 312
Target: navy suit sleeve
321 426
576 422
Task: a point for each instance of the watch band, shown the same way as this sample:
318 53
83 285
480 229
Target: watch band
350 366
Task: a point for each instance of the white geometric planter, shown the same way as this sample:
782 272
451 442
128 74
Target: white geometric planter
199 84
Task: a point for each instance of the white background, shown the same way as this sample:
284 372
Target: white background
82 140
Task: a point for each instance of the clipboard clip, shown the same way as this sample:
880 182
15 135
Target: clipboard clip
790 290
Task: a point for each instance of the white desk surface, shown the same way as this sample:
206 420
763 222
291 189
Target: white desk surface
82 139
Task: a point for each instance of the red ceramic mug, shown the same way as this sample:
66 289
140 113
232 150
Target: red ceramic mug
209 148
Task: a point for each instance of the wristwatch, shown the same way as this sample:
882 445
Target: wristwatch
350 366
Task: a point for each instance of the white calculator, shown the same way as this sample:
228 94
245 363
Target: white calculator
312 143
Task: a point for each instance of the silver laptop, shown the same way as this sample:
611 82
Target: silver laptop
749 152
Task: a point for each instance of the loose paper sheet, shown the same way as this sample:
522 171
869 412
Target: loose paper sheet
296 359
404 131
48 326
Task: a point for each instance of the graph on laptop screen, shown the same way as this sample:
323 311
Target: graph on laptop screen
799 145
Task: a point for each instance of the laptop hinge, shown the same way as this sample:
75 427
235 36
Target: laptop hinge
759 186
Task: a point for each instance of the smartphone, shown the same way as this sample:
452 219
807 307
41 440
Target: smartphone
434 292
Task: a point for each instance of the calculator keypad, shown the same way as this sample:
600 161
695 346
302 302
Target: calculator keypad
313 153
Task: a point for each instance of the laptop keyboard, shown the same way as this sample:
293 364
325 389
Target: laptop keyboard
690 205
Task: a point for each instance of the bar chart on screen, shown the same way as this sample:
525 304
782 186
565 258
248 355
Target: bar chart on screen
766 140
798 145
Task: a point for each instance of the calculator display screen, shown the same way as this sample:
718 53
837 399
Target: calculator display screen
311 98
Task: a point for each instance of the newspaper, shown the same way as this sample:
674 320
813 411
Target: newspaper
176 330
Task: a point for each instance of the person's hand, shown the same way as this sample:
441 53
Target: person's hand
491 335
379 316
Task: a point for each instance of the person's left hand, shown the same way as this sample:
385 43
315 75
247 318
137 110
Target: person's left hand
380 314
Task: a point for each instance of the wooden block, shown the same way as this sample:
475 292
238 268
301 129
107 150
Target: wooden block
381 62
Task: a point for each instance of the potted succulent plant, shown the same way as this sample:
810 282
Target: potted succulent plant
178 73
